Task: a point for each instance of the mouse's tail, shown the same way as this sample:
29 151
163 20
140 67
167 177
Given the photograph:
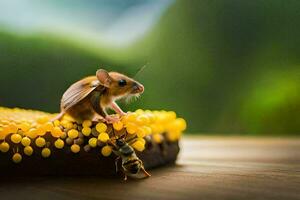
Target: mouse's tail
59 116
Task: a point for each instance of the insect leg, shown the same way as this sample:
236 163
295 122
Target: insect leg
112 144
145 172
130 141
116 162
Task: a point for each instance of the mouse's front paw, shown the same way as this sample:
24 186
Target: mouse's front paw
123 114
98 119
112 119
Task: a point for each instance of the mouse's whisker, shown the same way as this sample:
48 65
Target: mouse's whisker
131 98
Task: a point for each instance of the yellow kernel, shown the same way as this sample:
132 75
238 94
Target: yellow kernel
57 132
103 137
4 147
155 128
173 136
87 123
142 120
68 118
46 152
138 145
106 150
142 140
26 141
75 148
47 127
40 131
3 133
131 128
28 150
118 125
140 132
131 117
17 158
180 123
147 130
16 138
69 141
157 138
67 124
42 119
75 126
40 142
86 131
12 128
93 142
73 133
56 123
171 115
152 117
59 143
139 111
32 133
63 136
24 126
101 127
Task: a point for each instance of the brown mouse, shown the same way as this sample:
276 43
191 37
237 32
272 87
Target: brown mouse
90 97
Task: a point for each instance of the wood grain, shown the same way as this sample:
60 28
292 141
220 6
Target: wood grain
208 168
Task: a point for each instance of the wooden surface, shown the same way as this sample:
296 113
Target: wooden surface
208 168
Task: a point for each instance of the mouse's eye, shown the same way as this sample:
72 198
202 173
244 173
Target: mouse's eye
122 83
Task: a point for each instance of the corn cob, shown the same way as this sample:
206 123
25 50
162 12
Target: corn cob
29 136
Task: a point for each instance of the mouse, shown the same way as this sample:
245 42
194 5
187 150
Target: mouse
91 97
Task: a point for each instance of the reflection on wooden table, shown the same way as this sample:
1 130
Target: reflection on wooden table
208 168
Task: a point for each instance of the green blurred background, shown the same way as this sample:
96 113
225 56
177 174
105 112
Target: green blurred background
226 66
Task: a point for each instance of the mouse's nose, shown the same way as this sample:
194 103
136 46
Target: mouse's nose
137 88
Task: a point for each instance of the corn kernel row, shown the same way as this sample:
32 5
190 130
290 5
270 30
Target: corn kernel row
28 129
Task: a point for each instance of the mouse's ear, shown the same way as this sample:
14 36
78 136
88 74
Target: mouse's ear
104 77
